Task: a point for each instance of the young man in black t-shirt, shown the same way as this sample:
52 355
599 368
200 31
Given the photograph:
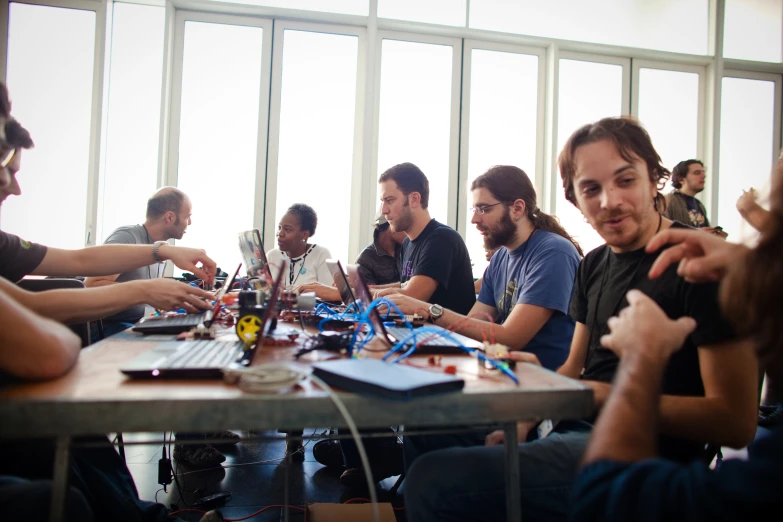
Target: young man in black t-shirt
435 261
611 172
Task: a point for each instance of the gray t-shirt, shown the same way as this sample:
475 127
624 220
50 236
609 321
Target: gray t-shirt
133 235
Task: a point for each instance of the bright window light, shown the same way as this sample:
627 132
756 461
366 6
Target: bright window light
50 77
317 132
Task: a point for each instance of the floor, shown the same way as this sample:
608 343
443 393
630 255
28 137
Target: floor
255 475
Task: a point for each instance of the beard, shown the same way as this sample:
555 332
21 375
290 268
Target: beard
405 221
501 233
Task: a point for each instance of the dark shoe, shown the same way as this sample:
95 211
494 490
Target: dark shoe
294 450
329 453
770 416
198 456
383 465
229 437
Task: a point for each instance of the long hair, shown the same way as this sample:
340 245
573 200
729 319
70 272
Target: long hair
680 171
508 184
750 291
631 140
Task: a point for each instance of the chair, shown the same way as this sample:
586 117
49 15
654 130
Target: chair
41 285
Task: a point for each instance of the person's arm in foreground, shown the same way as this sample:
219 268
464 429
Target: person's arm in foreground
86 304
756 215
115 259
33 347
621 479
522 324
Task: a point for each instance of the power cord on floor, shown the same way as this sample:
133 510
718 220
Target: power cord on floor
264 378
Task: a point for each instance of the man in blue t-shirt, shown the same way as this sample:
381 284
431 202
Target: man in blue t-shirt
523 302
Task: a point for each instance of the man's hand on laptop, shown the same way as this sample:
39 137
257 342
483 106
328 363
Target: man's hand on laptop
322 291
169 294
189 259
409 305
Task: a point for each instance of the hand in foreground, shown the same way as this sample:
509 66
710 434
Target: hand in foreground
747 200
408 305
498 437
169 294
702 257
188 259
642 328
383 292
527 357
322 291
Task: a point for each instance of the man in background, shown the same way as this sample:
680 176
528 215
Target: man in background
688 178
380 262
168 217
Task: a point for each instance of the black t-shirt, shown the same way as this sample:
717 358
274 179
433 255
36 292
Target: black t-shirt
18 257
619 273
440 253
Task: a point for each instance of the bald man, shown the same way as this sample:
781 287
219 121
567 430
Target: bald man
168 217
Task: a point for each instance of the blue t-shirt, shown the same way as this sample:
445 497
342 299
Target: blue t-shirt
539 272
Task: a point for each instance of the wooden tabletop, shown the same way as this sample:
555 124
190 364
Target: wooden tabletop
96 398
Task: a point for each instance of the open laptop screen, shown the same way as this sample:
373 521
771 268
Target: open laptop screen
253 252
341 281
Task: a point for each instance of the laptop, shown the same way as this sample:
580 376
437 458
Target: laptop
253 253
433 343
341 281
175 324
201 359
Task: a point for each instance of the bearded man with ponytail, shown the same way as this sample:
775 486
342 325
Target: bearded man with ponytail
528 284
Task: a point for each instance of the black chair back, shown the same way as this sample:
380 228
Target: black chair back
52 283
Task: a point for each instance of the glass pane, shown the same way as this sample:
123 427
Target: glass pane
582 102
669 110
747 148
45 46
218 135
503 116
444 12
354 7
130 170
666 25
317 132
415 116
753 30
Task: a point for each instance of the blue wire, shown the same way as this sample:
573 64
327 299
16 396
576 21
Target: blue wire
499 365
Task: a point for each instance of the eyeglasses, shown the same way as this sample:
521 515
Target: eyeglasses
482 209
6 158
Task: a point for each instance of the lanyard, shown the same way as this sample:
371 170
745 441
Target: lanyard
302 269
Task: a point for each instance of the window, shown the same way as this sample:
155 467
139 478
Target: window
747 148
444 12
415 116
45 46
218 133
753 30
351 7
669 110
502 125
666 25
315 161
130 170
582 102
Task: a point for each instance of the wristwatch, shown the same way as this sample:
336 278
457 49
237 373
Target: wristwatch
155 248
436 311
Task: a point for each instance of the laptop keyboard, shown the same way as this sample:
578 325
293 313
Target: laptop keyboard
176 320
204 354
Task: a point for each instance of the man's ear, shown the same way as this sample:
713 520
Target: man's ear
518 208
170 217
414 199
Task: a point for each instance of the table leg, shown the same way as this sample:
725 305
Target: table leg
62 461
513 493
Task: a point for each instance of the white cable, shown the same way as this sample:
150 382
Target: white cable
268 378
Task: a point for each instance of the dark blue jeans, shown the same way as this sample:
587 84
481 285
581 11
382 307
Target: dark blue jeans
98 473
109 328
375 447
468 483
29 500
